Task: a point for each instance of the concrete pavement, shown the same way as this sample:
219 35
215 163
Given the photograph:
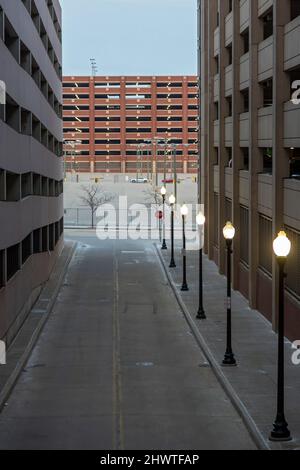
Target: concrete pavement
116 366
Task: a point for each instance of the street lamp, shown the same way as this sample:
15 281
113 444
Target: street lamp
200 222
184 212
282 248
163 192
229 233
172 201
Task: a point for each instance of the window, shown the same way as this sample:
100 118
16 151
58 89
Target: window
295 163
245 95
216 220
26 248
268 25
267 160
245 153
246 41
229 54
265 244
26 182
244 235
12 261
2 265
293 263
267 93
295 9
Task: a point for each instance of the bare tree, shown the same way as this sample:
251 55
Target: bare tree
95 197
153 196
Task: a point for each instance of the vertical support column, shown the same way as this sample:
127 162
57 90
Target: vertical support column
255 160
236 150
211 6
154 122
281 94
123 122
92 123
185 124
222 7
203 59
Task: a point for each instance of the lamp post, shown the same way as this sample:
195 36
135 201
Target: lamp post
163 192
200 222
184 212
282 248
229 233
172 201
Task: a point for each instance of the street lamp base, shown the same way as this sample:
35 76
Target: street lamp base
229 360
280 433
172 264
164 246
184 288
201 314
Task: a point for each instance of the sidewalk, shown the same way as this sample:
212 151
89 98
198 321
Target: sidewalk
253 383
21 347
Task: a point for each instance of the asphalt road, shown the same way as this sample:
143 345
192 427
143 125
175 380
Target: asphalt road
116 366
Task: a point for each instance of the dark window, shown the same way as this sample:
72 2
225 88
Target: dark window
26 248
265 244
295 9
244 235
37 241
12 261
2 265
268 24
216 220
293 263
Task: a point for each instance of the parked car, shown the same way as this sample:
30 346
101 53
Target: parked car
168 181
139 180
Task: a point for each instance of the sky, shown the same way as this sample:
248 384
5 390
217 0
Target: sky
130 37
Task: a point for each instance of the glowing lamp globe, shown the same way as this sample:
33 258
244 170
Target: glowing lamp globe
172 199
200 219
229 231
163 191
282 245
184 210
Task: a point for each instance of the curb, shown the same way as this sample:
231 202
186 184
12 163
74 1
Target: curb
250 424
10 383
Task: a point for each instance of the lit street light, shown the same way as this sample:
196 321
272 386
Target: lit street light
184 212
200 222
282 248
163 192
229 233
172 201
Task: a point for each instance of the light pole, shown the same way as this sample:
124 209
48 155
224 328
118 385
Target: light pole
184 212
229 233
200 221
163 192
282 248
172 201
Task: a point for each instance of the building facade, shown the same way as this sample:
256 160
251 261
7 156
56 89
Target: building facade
106 119
250 142
31 170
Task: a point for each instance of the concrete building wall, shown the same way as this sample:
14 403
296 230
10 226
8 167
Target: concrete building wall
31 167
105 118
250 134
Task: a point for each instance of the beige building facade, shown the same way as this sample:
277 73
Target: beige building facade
249 67
31 170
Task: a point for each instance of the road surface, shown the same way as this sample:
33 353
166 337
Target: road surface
116 366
